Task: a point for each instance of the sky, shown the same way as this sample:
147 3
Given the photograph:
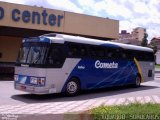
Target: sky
130 13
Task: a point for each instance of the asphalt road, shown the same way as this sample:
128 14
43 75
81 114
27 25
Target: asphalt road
10 96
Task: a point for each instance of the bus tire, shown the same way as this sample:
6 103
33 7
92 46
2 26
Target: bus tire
73 87
137 81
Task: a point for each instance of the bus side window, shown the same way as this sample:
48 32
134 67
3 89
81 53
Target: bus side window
56 56
117 53
124 56
77 50
73 50
109 53
96 51
83 51
92 51
129 54
101 52
149 56
140 55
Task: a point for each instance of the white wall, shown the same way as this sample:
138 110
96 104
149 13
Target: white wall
158 57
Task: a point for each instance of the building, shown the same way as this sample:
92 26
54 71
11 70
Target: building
155 44
158 57
134 38
127 38
19 21
124 35
138 33
156 41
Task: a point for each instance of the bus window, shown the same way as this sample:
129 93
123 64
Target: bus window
150 56
101 52
23 54
77 50
117 53
56 56
124 56
113 53
83 51
96 51
129 54
73 50
109 53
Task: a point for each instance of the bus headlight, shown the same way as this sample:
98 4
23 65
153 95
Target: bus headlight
37 81
15 77
33 80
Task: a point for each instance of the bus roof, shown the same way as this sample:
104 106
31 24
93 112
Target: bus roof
61 38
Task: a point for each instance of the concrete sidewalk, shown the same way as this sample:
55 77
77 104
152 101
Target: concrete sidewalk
61 109
157 70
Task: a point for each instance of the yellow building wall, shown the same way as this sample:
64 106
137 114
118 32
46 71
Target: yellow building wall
71 23
91 26
7 20
9 47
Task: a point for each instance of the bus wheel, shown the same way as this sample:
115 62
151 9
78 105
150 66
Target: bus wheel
72 87
137 81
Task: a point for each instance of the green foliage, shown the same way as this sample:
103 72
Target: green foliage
153 46
127 112
144 40
157 66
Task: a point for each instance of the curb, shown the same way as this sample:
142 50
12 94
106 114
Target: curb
67 110
157 71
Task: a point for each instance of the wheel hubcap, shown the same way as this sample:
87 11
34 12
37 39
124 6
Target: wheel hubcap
72 87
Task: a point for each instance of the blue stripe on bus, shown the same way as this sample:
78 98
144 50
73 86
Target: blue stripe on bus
92 77
38 39
111 45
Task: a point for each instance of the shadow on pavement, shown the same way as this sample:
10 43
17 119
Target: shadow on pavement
84 95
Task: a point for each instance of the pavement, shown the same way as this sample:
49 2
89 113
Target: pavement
65 110
157 70
73 106
61 110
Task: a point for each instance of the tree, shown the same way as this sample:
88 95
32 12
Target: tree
153 45
144 40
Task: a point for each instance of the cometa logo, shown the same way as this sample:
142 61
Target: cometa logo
101 65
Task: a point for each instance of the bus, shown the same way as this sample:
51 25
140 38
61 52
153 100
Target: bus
59 63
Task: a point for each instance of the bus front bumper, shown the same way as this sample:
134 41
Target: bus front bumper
34 90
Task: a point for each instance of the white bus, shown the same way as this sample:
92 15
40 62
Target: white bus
55 63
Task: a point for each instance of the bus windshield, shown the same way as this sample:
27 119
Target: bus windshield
32 54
